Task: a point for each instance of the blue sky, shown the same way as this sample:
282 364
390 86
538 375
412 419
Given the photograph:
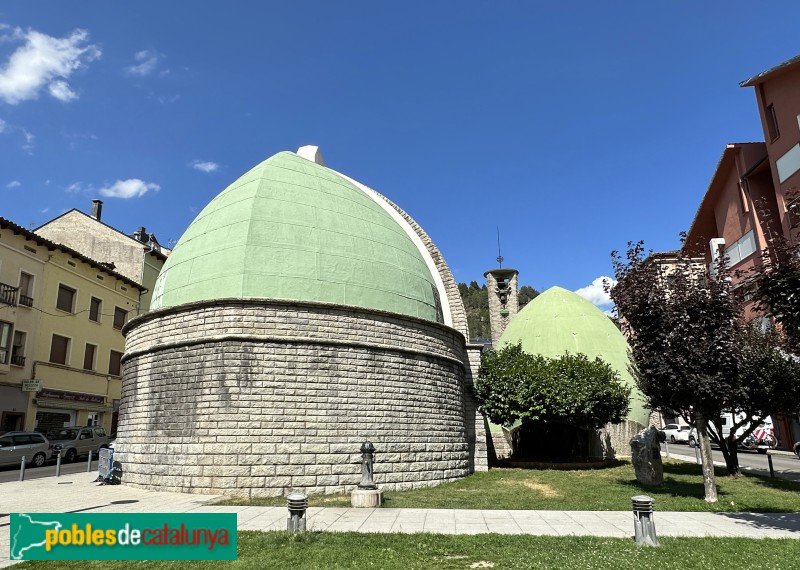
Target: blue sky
574 126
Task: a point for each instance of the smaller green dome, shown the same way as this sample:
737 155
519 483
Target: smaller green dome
559 321
295 230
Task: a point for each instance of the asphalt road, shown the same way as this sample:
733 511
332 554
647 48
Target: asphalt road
11 473
785 466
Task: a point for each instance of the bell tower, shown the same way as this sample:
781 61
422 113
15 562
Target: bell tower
503 288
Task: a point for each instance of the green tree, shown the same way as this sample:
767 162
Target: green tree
514 385
778 289
693 353
526 295
681 327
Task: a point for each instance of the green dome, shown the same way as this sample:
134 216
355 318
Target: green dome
559 321
295 230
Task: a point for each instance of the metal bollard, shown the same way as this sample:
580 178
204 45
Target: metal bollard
22 469
666 444
367 466
298 504
58 463
89 463
644 527
771 468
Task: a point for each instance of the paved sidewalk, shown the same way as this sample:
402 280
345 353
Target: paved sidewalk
77 493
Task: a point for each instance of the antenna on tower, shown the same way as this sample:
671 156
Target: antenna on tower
499 257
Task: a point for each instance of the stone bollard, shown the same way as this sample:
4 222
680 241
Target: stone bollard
367 495
644 527
298 505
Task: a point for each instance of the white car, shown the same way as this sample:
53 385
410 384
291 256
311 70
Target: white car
676 433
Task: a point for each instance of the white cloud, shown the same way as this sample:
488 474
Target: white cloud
14 184
130 188
205 165
75 187
28 145
146 62
62 91
10 33
595 294
44 61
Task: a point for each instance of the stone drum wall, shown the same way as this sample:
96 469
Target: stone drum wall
257 398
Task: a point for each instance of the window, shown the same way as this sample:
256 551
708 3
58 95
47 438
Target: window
66 298
114 363
788 164
5 341
741 248
59 347
88 356
18 349
120 317
26 289
94 309
772 123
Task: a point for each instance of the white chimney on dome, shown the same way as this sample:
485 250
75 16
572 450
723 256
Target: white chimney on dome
312 153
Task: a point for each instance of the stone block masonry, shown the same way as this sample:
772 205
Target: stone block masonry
256 398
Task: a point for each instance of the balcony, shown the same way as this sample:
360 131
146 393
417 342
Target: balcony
8 294
25 300
17 360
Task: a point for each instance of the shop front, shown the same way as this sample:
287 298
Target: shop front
61 408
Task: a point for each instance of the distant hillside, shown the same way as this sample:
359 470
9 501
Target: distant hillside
476 303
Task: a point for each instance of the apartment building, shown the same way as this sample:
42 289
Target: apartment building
22 263
61 315
777 93
754 196
738 216
137 256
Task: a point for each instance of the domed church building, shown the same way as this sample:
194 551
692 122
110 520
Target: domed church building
560 321
299 315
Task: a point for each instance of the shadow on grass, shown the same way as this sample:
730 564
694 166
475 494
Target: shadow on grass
670 488
684 480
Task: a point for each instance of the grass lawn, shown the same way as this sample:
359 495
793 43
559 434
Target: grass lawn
607 489
264 550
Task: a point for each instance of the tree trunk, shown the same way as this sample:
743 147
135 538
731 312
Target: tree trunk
730 452
706 459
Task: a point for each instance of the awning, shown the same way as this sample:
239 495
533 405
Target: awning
64 405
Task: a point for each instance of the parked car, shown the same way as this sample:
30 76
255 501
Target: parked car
675 433
74 442
16 444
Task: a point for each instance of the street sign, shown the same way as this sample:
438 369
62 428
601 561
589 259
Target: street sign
32 385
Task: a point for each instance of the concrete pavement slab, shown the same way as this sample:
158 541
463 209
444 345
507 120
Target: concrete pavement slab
78 493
